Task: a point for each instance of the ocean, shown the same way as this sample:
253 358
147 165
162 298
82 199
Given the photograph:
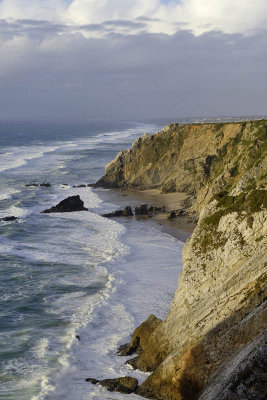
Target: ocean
69 274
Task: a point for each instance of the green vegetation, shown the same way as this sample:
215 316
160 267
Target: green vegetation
248 203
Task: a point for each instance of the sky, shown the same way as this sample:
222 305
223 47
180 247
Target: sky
132 59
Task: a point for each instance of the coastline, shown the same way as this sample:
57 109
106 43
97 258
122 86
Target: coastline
180 228
217 311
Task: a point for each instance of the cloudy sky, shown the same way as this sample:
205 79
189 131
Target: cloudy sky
136 59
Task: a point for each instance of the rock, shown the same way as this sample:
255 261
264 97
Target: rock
79 186
172 215
39 184
125 384
139 342
133 362
128 349
117 213
141 209
78 337
72 203
45 184
127 212
11 218
92 380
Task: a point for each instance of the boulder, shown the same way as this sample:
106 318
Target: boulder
11 218
45 184
117 213
125 384
72 203
141 209
80 186
39 184
127 212
172 215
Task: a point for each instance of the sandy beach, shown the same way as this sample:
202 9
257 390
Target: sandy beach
178 227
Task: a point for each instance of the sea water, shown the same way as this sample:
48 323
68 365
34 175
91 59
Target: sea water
69 274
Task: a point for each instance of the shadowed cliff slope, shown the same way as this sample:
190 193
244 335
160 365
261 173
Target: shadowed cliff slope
211 344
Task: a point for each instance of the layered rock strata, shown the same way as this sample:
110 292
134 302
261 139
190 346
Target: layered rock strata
211 344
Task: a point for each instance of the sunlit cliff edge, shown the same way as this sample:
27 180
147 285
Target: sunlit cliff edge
211 344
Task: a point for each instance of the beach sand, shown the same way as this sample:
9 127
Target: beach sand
178 227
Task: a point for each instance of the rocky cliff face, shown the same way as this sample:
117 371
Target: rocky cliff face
200 159
211 344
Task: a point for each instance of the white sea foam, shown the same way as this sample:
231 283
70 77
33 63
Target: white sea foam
8 192
15 211
144 281
18 156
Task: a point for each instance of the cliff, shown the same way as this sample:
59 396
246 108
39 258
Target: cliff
211 344
199 159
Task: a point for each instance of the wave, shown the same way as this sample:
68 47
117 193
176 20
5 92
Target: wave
18 156
8 192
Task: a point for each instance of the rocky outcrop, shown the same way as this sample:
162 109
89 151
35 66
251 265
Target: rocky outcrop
9 218
211 344
39 184
127 212
124 384
70 204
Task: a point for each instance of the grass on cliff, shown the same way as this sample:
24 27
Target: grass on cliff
249 203
245 204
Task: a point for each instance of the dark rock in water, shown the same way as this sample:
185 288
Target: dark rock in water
117 213
72 203
78 337
127 212
45 184
39 184
64 184
80 186
125 384
92 380
11 218
141 209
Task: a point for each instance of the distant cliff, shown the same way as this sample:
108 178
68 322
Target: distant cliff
211 344
200 159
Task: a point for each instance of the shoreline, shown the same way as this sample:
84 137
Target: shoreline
180 227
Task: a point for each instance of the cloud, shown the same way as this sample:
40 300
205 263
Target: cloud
142 75
132 58
199 16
